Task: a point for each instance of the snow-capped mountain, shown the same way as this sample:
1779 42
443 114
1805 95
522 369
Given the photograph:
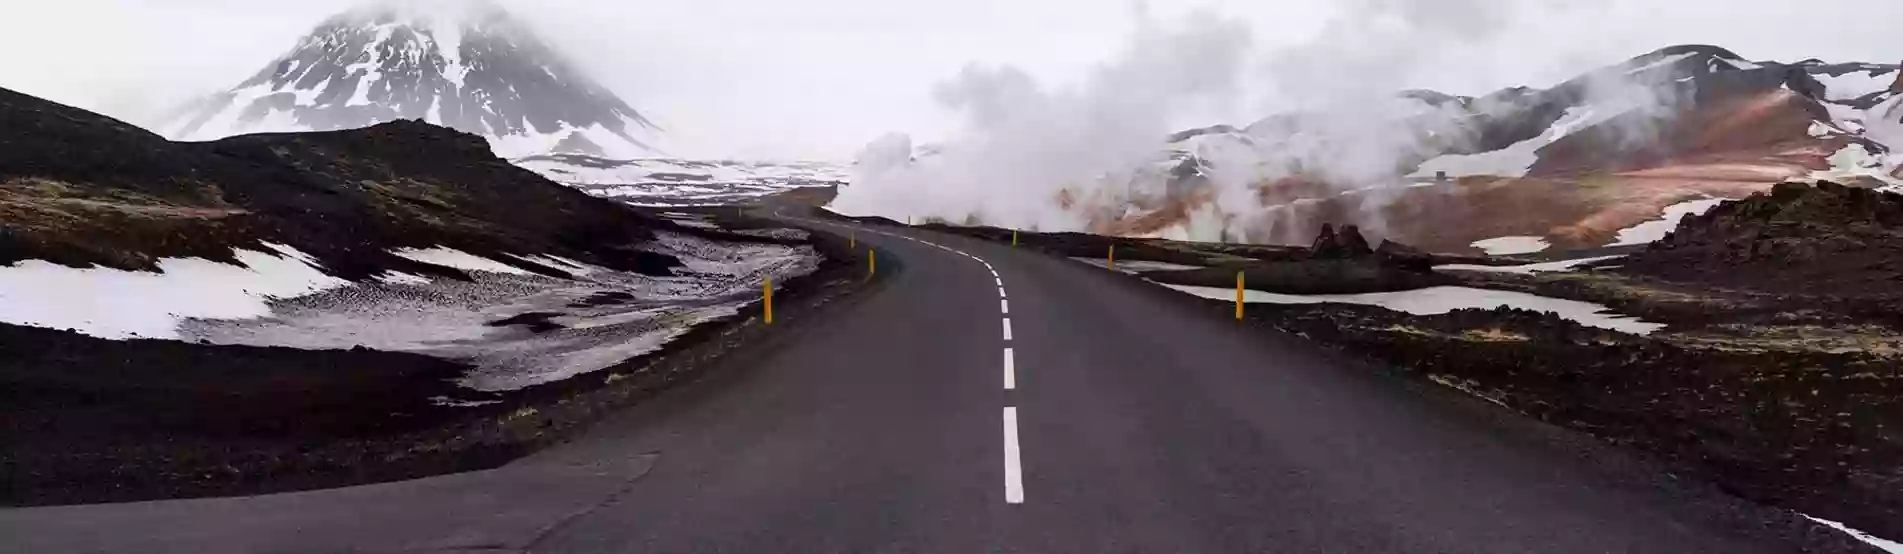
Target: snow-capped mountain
676 182
1657 109
470 66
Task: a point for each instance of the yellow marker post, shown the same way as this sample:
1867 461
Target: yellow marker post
1238 296
769 300
872 263
1014 237
1113 257
852 239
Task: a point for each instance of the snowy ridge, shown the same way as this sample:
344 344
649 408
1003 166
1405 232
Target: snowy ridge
676 182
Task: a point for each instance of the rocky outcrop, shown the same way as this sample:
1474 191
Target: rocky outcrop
1338 263
1808 239
1395 254
1347 244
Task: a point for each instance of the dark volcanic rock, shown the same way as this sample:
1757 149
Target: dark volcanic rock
1347 244
1801 430
1799 238
1403 256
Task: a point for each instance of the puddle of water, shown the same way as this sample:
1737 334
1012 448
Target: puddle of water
1440 300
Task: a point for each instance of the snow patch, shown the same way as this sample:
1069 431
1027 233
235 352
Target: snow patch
1854 84
401 278
118 304
452 258
1854 161
1518 158
1504 246
1651 231
1440 300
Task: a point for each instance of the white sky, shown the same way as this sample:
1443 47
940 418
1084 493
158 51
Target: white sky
791 79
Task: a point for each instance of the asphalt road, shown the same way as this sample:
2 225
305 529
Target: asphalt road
884 424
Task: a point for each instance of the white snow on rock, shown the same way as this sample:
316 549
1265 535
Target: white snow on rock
1504 246
1855 161
1652 231
1854 84
117 304
1527 269
1885 545
401 278
1881 124
1440 300
452 258
1516 159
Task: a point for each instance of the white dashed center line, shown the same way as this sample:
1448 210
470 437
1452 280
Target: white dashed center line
1001 293
1010 370
1004 306
1007 328
1013 469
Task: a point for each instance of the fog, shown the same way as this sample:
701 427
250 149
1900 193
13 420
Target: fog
1076 156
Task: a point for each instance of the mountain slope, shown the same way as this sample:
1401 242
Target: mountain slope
478 70
85 189
1573 165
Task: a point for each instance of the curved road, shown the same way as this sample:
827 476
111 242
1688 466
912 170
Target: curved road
1128 421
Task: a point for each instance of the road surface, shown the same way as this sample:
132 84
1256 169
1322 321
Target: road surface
986 399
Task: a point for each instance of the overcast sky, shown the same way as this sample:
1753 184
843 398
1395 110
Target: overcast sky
819 78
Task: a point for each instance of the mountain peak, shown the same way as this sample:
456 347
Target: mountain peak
465 64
